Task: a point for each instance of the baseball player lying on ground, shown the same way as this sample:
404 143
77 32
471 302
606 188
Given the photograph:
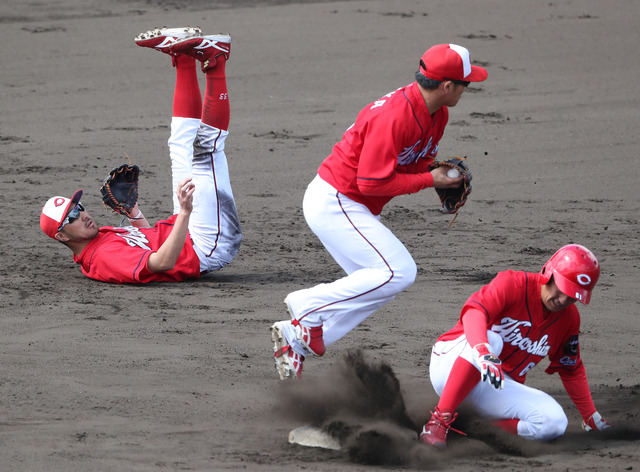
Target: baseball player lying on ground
388 151
505 329
204 233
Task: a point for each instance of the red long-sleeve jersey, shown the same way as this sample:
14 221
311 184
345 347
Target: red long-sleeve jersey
387 151
119 255
513 308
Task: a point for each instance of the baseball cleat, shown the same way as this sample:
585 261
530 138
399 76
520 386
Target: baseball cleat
161 39
207 49
310 338
288 362
435 431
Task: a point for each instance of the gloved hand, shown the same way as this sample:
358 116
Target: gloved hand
490 365
120 189
595 421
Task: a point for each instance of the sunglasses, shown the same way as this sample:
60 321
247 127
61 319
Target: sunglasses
464 83
72 216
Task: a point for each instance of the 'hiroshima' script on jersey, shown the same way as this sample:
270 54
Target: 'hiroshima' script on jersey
513 309
409 154
134 237
388 150
512 306
509 330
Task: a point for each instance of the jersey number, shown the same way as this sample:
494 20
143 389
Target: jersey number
527 368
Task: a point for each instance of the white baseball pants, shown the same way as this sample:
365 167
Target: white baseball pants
197 150
377 264
541 417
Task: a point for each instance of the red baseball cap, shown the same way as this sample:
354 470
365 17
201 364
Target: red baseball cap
55 211
450 61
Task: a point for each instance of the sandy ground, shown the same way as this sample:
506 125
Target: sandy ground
180 376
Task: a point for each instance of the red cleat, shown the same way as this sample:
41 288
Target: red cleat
207 49
435 431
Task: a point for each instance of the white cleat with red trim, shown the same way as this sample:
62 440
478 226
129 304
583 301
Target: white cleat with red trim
288 362
161 39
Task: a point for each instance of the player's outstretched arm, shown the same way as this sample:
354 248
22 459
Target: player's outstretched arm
165 258
576 384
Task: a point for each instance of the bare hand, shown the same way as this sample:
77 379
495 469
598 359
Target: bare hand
185 195
440 179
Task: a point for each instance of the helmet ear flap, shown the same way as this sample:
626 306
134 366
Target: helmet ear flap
547 272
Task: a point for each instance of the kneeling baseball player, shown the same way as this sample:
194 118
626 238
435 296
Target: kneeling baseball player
504 330
204 233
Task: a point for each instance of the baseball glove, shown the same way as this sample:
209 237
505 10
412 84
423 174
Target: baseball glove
454 198
120 189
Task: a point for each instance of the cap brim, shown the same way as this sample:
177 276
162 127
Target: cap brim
478 74
72 203
75 199
77 196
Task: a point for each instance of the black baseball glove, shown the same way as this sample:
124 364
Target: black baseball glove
454 198
120 189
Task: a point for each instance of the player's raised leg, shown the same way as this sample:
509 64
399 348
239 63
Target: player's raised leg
187 100
187 110
214 224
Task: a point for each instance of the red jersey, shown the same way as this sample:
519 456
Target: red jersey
387 151
119 255
514 310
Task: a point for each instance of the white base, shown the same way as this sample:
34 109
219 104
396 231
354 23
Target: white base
312 436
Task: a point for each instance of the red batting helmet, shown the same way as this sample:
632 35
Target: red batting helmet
575 271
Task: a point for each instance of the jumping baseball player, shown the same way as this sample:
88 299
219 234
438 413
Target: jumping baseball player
504 330
385 153
204 233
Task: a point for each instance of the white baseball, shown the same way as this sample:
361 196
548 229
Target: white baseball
453 173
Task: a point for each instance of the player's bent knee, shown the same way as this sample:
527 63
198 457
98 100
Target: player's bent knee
554 428
546 427
404 276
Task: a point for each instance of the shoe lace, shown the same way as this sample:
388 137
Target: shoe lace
442 422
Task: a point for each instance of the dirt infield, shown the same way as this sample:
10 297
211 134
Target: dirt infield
180 376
